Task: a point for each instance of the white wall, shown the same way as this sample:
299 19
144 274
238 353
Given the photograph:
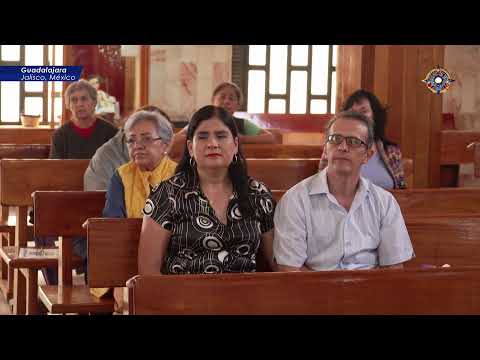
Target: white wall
463 97
182 77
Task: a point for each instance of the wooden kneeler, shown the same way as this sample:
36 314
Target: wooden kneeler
62 213
112 260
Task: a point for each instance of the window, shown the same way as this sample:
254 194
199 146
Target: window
30 97
293 79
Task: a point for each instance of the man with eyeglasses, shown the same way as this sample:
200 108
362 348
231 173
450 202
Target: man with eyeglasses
337 219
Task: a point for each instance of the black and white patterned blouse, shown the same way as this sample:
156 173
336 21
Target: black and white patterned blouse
200 243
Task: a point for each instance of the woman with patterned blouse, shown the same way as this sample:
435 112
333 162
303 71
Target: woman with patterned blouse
210 217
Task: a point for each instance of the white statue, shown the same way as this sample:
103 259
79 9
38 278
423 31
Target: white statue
106 104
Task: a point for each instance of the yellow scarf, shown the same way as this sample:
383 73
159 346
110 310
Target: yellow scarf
136 183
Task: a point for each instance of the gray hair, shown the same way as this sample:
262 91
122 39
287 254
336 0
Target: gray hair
81 84
353 115
162 125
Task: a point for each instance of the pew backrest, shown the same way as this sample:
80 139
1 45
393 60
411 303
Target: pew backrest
62 213
446 239
282 174
19 178
279 151
415 202
112 251
382 291
24 151
290 122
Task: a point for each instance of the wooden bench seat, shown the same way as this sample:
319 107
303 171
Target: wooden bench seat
73 299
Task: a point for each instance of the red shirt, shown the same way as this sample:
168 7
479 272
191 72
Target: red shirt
84 132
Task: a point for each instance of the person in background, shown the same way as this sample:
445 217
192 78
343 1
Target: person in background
385 166
229 96
77 139
148 137
110 156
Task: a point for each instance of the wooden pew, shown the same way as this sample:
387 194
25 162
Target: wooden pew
290 122
282 174
62 213
22 135
454 148
279 151
414 202
24 151
454 151
267 151
26 176
430 202
303 138
452 239
446 239
15 151
18 180
112 260
108 265
365 292
113 251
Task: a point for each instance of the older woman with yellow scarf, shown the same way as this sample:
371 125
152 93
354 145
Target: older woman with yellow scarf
148 137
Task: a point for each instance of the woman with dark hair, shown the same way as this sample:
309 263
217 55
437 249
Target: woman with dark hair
385 167
210 217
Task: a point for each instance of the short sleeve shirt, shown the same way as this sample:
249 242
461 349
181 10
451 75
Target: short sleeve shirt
313 229
199 242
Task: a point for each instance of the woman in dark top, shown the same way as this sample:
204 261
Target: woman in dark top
210 217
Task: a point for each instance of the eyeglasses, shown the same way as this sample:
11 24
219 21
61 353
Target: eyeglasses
351 141
143 141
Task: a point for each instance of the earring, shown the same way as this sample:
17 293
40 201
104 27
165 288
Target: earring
235 158
192 162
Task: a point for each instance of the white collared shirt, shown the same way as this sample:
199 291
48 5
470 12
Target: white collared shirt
312 228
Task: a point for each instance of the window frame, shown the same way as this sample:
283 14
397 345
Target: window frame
241 67
23 94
